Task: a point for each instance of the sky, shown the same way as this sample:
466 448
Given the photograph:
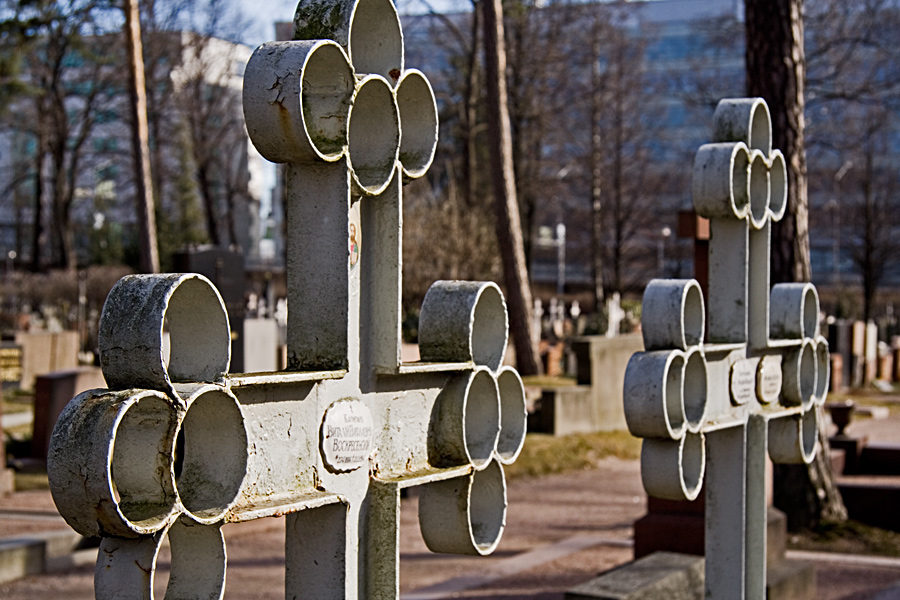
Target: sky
266 12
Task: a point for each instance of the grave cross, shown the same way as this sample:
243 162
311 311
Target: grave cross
754 385
176 447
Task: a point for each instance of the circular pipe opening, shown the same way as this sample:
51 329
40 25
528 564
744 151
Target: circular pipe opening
326 86
487 507
513 415
489 328
199 334
778 186
215 455
141 474
759 190
807 376
692 463
740 182
810 312
198 560
481 419
418 123
693 315
809 435
695 390
823 370
673 395
760 129
373 135
376 39
191 565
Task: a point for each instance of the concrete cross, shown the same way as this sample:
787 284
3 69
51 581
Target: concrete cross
176 447
753 382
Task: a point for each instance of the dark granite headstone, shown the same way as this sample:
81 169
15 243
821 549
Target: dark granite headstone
225 269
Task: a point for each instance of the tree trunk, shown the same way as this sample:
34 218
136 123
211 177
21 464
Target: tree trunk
209 204
59 209
807 494
776 69
37 233
870 271
509 230
470 164
596 161
58 223
621 213
149 253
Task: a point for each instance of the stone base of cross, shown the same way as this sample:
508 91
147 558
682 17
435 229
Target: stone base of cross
177 446
711 403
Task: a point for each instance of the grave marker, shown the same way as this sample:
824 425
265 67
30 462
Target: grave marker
751 385
177 446
10 362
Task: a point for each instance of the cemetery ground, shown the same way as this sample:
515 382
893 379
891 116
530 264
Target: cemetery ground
572 503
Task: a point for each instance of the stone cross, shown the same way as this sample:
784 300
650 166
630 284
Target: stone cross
709 404
177 446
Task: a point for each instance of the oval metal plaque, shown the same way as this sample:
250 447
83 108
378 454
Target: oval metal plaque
743 381
769 379
347 435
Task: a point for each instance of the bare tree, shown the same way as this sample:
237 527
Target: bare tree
71 75
458 35
444 239
776 71
595 158
569 65
509 231
539 39
613 124
852 58
69 197
208 96
869 204
200 147
14 39
632 182
854 84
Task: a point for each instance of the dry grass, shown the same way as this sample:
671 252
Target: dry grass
868 397
851 537
31 481
15 400
546 381
544 454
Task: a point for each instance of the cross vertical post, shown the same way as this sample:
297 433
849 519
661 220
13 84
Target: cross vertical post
711 403
177 445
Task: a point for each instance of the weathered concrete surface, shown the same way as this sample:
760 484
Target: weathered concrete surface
565 410
601 364
39 553
45 352
659 575
20 557
596 403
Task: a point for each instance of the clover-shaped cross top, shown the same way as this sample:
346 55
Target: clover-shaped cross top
177 446
754 385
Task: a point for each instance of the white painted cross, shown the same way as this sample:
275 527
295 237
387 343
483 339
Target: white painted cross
754 385
176 447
